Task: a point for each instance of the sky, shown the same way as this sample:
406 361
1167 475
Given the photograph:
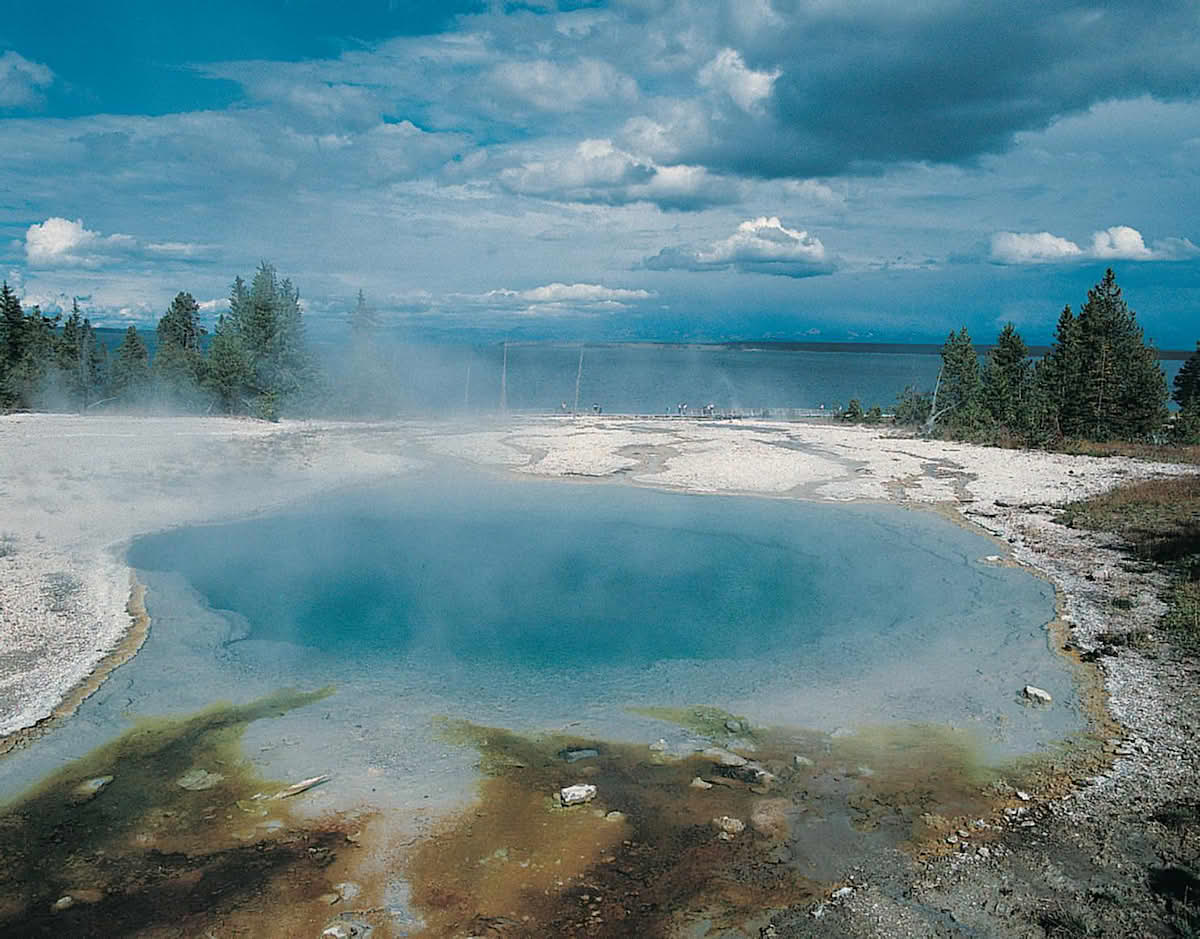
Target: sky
638 170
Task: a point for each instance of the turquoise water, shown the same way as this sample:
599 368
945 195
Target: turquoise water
542 605
554 576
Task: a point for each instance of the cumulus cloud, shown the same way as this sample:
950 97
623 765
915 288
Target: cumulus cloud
22 82
761 245
1009 247
596 171
1120 242
745 86
60 242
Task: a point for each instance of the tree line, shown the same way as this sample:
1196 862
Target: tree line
1099 381
257 360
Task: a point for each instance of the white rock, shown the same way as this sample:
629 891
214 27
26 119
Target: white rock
1023 795
1036 695
801 762
698 783
842 892
659 746
63 903
577 794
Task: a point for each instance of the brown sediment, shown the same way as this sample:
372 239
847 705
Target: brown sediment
126 649
517 863
142 855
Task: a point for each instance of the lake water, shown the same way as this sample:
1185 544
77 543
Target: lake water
654 379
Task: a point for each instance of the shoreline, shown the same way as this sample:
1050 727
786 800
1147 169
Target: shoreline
976 487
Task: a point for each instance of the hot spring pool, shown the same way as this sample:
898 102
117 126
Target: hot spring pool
544 605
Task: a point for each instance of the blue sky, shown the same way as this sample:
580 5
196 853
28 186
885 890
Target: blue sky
648 169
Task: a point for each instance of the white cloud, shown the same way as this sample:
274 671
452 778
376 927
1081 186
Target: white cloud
60 242
22 82
762 245
1009 247
585 293
745 86
558 88
1120 242
596 171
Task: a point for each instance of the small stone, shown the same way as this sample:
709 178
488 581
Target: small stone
197 780
1036 695
818 911
577 794
347 890
574 755
983 852
63 903
728 826
1022 795
952 839
698 783
734 726
801 762
615 817
842 892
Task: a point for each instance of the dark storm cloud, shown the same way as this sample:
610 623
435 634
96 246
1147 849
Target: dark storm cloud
863 85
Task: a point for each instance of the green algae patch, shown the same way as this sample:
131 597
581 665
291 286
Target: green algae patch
711 722
168 825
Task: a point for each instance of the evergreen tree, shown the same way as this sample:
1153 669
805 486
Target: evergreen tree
178 358
959 399
1120 388
365 388
11 328
131 370
1187 381
1056 379
80 361
1006 379
26 380
228 367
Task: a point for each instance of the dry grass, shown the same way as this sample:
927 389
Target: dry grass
1159 521
1161 453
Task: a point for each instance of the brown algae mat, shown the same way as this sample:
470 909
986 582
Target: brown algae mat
176 843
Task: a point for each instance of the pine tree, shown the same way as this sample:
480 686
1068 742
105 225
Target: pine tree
1120 388
228 367
11 330
959 401
131 370
1006 379
1056 379
178 359
1187 381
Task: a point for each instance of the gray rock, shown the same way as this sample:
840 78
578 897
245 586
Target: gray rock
575 754
89 788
